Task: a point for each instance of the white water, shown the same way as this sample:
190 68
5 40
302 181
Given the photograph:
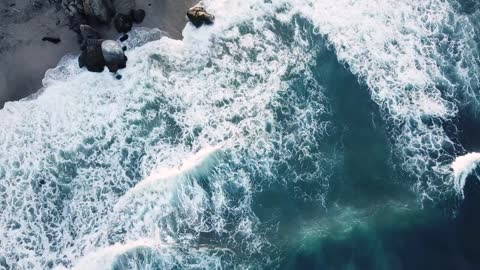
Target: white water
462 167
150 201
399 49
73 159
73 154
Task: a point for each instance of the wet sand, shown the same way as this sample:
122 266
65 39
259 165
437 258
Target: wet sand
24 57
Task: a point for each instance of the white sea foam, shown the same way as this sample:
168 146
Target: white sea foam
143 207
462 167
73 158
405 52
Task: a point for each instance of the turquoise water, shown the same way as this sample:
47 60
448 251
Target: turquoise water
288 135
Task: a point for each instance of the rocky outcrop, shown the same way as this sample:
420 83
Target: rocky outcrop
91 57
102 10
98 53
114 56
123 13
199 16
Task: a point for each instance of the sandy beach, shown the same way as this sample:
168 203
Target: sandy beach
24 57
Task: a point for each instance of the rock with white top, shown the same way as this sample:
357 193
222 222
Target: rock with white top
114 55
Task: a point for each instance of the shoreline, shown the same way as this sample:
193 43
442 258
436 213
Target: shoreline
24 57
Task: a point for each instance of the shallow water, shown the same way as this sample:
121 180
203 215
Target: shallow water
288 135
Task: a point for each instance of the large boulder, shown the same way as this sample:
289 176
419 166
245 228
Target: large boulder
92 56
123 23
90 44
102 10
137 15
199 16
114 56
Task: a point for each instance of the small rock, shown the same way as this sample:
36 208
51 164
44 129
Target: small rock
51 39
137 15
123 23
124 48
198 16
123 38
118 76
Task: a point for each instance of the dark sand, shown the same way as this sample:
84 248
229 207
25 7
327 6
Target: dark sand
24 57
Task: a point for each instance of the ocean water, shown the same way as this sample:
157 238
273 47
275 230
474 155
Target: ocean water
293 134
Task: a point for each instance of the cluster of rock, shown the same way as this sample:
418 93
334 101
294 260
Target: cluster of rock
98 53
123 13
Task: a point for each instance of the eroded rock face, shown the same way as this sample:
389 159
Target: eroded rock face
102 10
199 16
123 13
114 56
